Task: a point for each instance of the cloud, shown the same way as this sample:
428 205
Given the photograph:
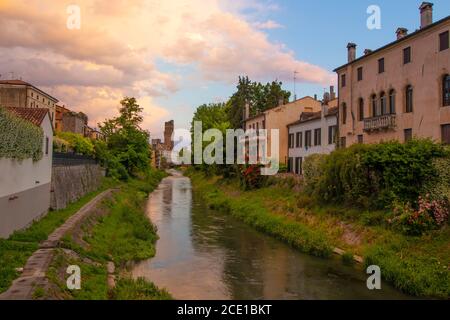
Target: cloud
268 25
118 48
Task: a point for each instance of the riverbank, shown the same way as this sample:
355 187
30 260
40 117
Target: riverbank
415 265
113 233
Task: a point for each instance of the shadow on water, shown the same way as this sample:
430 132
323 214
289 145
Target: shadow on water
205 254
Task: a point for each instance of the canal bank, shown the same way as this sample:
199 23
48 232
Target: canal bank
416 265
204 253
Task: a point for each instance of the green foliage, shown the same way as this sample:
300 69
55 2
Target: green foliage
312 170
60 145
375 175
77 143
127 150
140 289
20 139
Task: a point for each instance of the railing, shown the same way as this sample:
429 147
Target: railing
71 159
380 123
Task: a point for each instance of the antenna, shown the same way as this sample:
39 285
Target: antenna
295 85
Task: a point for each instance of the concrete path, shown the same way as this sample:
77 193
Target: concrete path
36 267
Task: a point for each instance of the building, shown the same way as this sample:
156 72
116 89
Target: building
25 184
19 94
278 118
75 122
169 128
401 90
94 134
313 133
60 110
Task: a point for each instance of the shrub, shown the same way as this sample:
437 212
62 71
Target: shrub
20 139
250 176
313 171
78 143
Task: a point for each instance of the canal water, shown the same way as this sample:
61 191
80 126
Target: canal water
205 254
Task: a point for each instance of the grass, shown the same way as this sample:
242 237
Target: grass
15 251
416 265
121 235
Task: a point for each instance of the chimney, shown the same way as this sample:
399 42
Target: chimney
367 51
315 97
426 14
351 52
332 93
401 33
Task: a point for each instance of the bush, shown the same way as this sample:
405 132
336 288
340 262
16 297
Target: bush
20 139
77 143
250 176
313 171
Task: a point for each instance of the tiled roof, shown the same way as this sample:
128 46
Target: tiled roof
33 115
308 116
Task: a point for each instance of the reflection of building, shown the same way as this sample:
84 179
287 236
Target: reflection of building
25 184
314 133
21 94
278 118
400 90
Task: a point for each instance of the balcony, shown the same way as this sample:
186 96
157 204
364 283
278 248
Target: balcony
384 122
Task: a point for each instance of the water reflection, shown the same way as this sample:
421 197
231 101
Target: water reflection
204 254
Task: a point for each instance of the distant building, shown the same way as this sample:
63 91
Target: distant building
168 135
400 90
25 184
278 118
21 94
94 134
313 133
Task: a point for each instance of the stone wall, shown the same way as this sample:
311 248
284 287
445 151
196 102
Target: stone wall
70 183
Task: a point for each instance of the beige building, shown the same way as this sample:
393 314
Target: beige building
401 90
21 94
279 118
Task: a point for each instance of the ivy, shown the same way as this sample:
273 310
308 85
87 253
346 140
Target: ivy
20 139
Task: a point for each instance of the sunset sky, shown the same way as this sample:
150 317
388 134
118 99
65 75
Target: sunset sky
174 55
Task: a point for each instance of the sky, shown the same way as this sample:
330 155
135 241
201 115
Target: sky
175 55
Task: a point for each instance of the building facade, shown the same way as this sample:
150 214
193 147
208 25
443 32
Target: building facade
21 94
314 133
279 118
25 185
399 91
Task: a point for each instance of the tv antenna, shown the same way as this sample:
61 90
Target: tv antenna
295 85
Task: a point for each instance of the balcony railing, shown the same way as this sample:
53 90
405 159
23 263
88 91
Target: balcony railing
380 123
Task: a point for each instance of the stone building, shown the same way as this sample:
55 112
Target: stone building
401 90
313 133
279 118
21 94
169 128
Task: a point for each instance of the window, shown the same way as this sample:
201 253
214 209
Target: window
46 145
407 55
374 106
444 41
361 109
360 139
291 165
381 65
343 81
344 113
360 73
291 140
409 99
332 134
383 103
317 137
298 165
446 90
298 140
392 101
308 139
408 135
446 133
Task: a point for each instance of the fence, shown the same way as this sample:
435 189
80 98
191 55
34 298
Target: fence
71 159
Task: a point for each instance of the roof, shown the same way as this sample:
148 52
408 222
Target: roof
309 116
23 83
33 115
446 19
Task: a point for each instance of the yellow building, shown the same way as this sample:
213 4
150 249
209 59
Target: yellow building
401 90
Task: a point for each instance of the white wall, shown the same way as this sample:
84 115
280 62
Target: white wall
324 123
18 176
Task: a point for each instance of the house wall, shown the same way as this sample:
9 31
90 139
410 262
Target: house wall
424 73
325 148
25 187
13 96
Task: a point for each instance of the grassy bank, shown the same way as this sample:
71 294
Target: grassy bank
15 251
415 265
119 232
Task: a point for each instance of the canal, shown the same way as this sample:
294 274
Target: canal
205 254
